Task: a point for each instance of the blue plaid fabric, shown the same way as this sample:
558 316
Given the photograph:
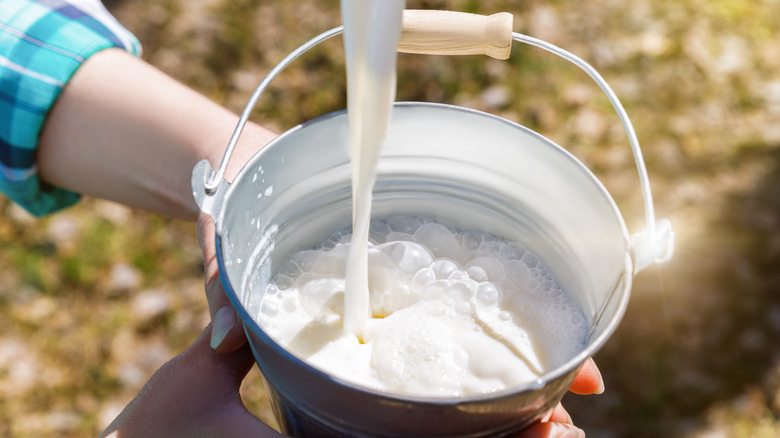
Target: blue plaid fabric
42 44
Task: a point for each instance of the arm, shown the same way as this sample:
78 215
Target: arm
124 131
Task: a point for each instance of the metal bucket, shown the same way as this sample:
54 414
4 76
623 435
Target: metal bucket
461 167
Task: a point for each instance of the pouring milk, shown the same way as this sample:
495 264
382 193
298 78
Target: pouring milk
407 304
371 33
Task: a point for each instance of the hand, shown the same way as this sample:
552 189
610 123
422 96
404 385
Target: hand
195 395
557 423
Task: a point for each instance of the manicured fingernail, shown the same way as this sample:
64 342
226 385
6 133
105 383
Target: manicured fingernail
569 419
600 389
567 431
224 321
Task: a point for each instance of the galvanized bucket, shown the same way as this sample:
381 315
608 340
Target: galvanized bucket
296 190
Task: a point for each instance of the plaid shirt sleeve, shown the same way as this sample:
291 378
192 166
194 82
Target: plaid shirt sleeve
42 44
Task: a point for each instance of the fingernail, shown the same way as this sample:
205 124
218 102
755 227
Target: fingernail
568 418
600 389
567 431
224 321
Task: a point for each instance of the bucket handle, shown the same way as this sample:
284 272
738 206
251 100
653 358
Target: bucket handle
458 33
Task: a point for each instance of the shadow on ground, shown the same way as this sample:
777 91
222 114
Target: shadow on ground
695 352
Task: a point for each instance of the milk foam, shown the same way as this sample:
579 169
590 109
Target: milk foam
453 313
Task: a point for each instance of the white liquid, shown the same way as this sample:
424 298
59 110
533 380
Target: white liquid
454 313
372 29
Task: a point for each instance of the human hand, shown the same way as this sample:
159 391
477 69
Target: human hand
195 394
557 423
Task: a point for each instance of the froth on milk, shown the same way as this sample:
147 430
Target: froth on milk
453 312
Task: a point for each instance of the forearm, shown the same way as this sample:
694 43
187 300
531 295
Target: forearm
124 131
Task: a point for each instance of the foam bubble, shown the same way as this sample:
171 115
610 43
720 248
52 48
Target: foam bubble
517 272
438 239
408 256
397 235
290 269
458 275
513 250
443 268
305 259
422 278
492 267
269 308
271 290
283 282
403 224
330 265
289 304
434 290
472 240
530 260
461 290
476 273
487 293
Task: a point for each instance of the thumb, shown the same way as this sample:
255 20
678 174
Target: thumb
194 394
226 334
220 375
552 429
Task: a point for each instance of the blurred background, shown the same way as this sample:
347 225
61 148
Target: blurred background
95 298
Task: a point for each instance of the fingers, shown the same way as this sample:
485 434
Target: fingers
223 411
223 370
558 423
552 430
588 379
226 333
194 394
558 415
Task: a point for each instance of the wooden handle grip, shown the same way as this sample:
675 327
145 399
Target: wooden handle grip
456 33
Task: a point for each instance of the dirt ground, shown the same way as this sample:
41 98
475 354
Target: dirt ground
97 297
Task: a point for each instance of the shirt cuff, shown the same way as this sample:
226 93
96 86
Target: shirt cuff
42 44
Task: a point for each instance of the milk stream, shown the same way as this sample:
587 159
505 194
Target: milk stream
372 29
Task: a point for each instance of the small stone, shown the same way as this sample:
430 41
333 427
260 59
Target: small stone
115 213
20 216
63 230
150 305
124 277
577 95
495 97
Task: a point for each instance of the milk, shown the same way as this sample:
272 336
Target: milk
454 312
372 29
